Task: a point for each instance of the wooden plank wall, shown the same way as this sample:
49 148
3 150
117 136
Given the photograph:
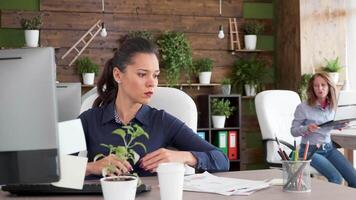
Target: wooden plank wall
66 20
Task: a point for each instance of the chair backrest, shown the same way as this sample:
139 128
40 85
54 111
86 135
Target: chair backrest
172 100
275 112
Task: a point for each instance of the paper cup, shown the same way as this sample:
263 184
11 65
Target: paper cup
171 178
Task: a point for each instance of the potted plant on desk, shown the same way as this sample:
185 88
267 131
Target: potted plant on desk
122 187
88 69
220 109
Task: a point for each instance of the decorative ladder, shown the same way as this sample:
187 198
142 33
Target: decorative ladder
93 31
234 35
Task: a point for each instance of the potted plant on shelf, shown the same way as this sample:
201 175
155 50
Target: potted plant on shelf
226 86
333 67
252 74
220 109
203 68
176 55
122 186
88 69
32 32
303 86
252 29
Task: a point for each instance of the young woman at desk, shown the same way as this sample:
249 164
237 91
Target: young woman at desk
124 88
320 108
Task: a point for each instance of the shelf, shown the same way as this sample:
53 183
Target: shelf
198 85
238 160
88 86
233 52
225 129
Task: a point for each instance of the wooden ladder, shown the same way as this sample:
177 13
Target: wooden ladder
93 31
234 35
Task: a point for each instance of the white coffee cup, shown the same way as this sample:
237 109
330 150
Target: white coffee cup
171 178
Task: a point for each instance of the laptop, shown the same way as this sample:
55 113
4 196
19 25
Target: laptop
90 187
345 110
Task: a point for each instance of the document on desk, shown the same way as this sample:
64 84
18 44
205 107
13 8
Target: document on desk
209 183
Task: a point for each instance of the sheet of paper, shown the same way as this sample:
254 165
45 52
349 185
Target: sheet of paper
209 183
72 172
71 137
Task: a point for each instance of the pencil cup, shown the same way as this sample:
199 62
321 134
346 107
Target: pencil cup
296 176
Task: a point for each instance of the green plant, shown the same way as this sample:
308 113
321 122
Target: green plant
332 65
303 86
221 107
251 71
176 55
226 81
253 28
85 65
32 24
203 65
125 152
143 34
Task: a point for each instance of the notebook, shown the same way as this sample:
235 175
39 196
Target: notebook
90 187
345 110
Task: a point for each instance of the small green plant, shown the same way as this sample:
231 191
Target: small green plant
303 86
32 24
332 65
86 65
253 28
125 152
221 107
226 81
176 56
143 34
203 65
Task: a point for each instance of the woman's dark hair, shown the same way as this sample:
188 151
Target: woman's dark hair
312 98
107 86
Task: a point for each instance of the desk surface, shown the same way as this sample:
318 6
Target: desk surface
345 138
320 190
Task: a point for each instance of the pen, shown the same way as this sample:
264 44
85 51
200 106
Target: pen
283 154
295 144
306 151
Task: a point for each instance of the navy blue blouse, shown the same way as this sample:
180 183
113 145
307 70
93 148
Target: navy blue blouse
163 129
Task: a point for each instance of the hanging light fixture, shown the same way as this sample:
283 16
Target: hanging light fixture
103 32
221 34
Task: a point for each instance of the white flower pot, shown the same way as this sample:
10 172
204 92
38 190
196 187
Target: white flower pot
218 121
88 78
334 76
226 89
204 77
250 90
123 190
250 42
31 38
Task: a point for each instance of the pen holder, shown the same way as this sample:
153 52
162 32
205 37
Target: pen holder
296 176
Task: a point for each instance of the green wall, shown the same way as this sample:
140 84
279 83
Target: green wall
15 37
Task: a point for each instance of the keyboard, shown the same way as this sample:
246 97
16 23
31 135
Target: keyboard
89 188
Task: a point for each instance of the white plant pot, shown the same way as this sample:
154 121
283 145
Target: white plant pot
218 121
334 76
31 38
250 90
250 42
204 77
123 190
88 78
226 89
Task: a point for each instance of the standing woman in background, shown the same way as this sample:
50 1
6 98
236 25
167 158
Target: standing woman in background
319 108
128 81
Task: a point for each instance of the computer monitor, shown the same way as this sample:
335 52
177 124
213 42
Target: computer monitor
28 116
68 100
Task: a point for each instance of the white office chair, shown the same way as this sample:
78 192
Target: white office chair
172 100
275 112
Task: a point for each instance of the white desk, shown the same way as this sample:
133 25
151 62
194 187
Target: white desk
320 190
346 139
